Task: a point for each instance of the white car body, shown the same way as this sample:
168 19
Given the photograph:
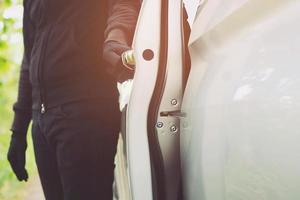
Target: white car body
239 135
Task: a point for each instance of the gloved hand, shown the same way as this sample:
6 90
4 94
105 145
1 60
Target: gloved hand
112 51
16 155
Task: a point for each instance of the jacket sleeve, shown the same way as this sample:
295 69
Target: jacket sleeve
22 107
122 21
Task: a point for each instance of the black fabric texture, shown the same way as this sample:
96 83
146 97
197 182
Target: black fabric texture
75 145
112 56
63 45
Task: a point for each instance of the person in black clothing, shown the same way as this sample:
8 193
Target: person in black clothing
69 92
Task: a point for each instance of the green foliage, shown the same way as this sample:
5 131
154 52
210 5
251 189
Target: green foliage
10 58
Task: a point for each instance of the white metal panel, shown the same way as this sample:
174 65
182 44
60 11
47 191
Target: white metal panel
168 134
241 137
212 12
147 36
191 8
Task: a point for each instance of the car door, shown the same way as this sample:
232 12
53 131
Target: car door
153 111
239 117
240 137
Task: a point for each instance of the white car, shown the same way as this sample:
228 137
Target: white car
231 129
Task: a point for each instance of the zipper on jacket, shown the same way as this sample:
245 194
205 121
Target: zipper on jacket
43 109
40 70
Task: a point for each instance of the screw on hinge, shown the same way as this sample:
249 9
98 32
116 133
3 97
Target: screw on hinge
174 102
173 129
159 124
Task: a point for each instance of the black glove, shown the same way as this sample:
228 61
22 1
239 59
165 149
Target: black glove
16 155
112 52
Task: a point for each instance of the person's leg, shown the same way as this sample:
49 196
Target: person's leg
85 147
46 163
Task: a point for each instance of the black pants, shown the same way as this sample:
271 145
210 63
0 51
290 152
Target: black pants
75 145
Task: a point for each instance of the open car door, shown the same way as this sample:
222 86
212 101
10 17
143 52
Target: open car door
240 114
153 111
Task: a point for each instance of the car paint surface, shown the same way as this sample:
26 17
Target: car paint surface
147 36
240 139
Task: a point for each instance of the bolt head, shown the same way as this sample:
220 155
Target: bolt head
174 102
159 124
173 129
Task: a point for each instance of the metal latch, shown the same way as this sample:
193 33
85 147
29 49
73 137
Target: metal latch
175 113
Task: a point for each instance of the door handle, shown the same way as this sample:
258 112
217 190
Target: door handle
128 59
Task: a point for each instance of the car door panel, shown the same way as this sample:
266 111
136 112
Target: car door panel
240 137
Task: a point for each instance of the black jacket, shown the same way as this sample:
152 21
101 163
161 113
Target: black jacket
62 52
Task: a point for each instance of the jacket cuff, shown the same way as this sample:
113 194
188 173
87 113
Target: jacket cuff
21 121
117 35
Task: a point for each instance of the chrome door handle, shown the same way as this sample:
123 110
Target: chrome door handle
128 59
